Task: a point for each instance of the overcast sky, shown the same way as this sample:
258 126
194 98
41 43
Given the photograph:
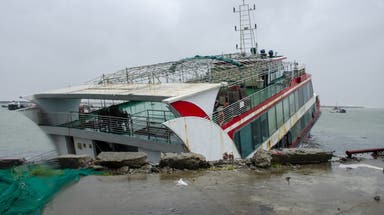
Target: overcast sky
47 44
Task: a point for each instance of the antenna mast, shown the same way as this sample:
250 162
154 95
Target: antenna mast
247 29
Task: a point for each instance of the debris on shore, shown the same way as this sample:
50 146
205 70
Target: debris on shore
300 156
262 159
6 163
122 163
120 159
73 161
191 161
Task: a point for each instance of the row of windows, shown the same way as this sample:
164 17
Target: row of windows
282 111
302 123
249 138
252 135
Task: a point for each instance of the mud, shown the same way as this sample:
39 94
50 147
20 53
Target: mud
309 189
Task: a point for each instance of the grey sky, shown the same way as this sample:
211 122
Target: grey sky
46 44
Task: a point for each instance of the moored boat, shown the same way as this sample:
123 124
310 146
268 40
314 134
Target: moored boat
338 109
229 104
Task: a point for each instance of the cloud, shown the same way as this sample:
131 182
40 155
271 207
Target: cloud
51 44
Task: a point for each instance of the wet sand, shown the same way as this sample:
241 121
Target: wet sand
314 189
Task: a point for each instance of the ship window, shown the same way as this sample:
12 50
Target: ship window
307 92
286 109
310 89
272 120
292 104
256 134
237 141
79 146
301 96
279 114
302 122
295 130
246 141
264 127
297 107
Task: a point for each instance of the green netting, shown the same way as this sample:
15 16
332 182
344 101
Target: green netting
219 58
25 190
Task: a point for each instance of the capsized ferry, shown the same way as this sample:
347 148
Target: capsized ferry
229 104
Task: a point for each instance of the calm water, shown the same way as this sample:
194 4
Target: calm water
358 128
20 137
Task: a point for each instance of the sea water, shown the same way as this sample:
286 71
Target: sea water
359 128
20 137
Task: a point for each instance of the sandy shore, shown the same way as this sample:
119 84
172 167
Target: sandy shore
314 189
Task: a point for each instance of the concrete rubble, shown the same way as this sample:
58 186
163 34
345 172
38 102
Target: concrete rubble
121 159
73 161
262 159
300 156
122 163
183 161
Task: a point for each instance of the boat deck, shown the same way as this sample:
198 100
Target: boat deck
132 92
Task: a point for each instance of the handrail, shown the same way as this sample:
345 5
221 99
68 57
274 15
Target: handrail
140 127
241 106
227 113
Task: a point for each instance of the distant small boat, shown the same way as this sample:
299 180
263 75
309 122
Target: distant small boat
17 105
14 106
337 109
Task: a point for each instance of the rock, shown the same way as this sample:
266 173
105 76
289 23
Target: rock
6 163
167 170
155 169
183 161
123 170
120 159
73 161
300 156
262 159
98 168
146 169
288 178
377 198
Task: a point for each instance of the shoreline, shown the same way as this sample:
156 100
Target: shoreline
315 189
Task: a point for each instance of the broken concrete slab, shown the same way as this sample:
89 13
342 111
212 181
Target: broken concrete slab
120 159
72 161
262 159
300 156
183 161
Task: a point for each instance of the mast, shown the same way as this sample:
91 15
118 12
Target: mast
247 29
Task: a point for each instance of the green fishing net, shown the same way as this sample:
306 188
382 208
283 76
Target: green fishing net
25 190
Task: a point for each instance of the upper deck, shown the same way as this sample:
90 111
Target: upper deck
132 92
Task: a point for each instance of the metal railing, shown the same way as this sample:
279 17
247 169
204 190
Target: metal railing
226 114
143 127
